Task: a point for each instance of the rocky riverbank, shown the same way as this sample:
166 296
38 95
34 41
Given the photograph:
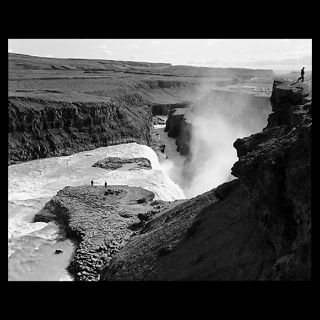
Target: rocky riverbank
101 220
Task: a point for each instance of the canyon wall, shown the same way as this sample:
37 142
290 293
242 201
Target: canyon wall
61 106
165 108
41 128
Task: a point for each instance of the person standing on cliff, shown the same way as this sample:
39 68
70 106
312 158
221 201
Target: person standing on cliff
92 182
302 75
105 184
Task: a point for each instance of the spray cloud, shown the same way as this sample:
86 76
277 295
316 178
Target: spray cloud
217 121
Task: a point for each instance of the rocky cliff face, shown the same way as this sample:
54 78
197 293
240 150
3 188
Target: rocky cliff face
275 168
41 128
257 227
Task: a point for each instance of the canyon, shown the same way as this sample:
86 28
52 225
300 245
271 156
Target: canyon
57 107
251 223
256 227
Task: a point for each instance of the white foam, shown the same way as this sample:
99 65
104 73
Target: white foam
33 183
159 126
66 277
44 177
18 228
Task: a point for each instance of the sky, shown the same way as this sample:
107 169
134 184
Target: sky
275 54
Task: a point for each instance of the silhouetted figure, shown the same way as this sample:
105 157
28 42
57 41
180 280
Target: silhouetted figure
105 184
92 182
302 75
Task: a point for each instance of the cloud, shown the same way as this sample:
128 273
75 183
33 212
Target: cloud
134 56
285 60
167 52
215 62
104 50
10 50
212 42
289 59
155 43
133 46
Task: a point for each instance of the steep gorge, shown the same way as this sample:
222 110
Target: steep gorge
62 106
256 227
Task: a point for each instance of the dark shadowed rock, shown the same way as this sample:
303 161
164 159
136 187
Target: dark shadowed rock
225 189
178 127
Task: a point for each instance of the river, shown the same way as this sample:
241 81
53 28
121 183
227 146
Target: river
31 246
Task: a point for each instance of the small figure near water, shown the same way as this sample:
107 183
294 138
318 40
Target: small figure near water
92 182
302 75
105 184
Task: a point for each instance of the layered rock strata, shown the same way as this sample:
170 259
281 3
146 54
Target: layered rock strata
41 128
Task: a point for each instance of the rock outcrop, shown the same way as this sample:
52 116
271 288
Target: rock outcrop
101 221
114 163
97 221
179 128
257 227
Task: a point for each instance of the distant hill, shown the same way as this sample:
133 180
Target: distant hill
20 62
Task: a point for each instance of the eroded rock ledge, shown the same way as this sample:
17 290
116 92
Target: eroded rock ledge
257 227
113 163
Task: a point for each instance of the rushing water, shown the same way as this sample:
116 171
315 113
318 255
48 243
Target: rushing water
173 163
31 245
